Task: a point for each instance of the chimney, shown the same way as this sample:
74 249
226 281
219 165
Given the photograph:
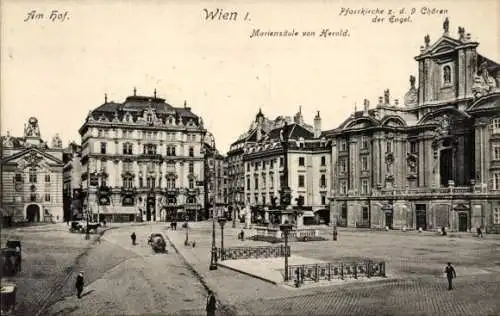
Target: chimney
467 37
380 100
317 126
366 104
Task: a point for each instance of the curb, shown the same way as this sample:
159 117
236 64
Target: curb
226 308
70 272
248 274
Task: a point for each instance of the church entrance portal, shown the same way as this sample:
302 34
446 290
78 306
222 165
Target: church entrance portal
33 213
446 166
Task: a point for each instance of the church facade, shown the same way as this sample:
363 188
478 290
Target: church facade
142 159
431 161
32 176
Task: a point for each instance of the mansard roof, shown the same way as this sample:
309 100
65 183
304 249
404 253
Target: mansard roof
136 105
295 131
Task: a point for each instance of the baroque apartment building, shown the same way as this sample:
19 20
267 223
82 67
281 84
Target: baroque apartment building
431 161
31 176
142 159
309 173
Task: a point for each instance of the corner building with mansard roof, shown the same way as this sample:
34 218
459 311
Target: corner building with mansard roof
433 161
143 160
309 173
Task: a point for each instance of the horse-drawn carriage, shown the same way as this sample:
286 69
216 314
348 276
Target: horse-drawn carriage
81 227
11 257
157 242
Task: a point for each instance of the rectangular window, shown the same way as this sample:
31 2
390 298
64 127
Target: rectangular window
301 161
364 142
389 146
47 197
364 186
496 216
364 163
301 181
271 164
413 147
263 198
365 213
19 177
271 181
496 181
191 183
343 145
343 165
322 181
248 183
496 125
343 187
256 183
323 160
496 152
47 178
323 200
281 161
33 197
191 167
248 167
33 177
141 183
103 147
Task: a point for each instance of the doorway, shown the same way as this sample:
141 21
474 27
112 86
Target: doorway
33 213
462 222
421 216
148 214
446 166
343 220
388 219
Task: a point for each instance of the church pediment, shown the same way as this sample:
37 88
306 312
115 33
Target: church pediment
486 103
360 123
449 114
32 158
443 45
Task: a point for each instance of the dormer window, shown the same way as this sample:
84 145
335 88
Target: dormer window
446 75
149 118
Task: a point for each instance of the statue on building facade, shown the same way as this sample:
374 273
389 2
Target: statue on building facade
31 129
411 97
446 25
427 40
7 141
56 141
386 97
484 83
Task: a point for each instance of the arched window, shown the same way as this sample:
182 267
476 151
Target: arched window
191 152
446 74
323 181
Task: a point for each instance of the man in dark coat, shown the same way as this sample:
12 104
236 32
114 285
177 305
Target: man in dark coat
450 274
133 237
79 284
211 304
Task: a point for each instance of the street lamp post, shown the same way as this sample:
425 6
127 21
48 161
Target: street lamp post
222 222
285 192
187 231
285 228
213 253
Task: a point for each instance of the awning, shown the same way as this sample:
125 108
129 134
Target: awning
308 214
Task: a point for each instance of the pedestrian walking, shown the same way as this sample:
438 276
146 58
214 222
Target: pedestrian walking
211 304
79 284
133 237
104 223
479 233
450 275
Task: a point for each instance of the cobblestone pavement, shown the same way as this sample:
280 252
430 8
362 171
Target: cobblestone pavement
416 262
122 279
48 254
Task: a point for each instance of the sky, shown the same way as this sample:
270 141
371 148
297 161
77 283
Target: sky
59 70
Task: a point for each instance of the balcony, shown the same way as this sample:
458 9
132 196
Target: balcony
129 191
150 156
